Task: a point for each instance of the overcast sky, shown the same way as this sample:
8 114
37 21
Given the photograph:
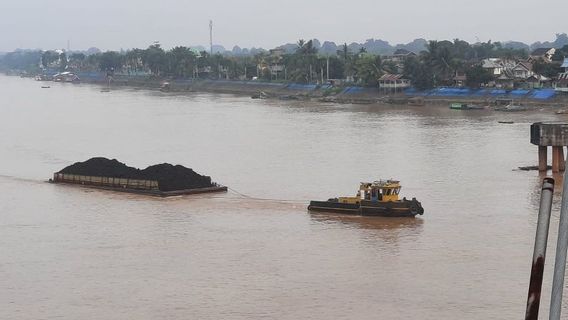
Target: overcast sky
116 24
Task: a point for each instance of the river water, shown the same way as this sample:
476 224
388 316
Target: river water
75 253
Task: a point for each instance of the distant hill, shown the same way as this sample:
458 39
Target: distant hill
561 40
375 46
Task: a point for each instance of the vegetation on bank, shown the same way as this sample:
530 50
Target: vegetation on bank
435 66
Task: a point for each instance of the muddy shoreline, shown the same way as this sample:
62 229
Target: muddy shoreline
287 91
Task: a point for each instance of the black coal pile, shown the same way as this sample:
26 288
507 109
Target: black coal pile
169 177
102 167
178 177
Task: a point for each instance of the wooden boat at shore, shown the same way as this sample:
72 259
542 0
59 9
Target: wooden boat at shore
378 198
465 106
260 95
512 108
416 101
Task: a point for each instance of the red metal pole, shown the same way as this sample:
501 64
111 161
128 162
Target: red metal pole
539 255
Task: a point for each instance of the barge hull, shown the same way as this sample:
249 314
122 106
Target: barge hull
144 187
329 206
368 208
155 193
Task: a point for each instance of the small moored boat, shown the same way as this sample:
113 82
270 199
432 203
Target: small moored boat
465 106
512 108
379 198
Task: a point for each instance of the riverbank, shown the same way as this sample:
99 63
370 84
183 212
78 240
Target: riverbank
338 94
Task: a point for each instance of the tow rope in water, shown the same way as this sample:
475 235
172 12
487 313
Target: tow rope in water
266 199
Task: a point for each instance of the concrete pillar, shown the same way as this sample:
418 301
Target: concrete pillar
542 158
558 164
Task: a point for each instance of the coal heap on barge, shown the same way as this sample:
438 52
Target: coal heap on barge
104 172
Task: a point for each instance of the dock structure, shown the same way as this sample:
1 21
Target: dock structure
550 134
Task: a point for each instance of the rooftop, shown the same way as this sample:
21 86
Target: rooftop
403 52
391 77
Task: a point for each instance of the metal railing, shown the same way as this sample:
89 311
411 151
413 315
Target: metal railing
539 255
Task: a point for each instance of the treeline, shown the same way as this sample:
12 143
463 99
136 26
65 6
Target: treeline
435 66
444 60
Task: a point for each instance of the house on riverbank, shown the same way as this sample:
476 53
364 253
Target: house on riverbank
509 74
562 81
393 83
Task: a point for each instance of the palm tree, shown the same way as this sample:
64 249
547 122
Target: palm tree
304 59
134 60
439 56
183 61
347 60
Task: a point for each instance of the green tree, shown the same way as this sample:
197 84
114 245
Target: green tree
184 61
111 61
546 69
477 75
368 69
347 59
303 62
62 61
560 54
133 60
48 57
155 58
420 73
440 57
28 61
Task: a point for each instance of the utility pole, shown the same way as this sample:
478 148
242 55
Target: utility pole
328 68
211 37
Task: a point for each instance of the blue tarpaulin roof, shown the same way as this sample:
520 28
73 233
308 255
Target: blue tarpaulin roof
544 94
351 90
540 94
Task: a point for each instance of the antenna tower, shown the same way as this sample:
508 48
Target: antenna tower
211 37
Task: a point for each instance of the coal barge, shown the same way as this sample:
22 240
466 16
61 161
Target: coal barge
162 180
379 198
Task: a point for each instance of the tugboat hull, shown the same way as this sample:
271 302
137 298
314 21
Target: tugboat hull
402 208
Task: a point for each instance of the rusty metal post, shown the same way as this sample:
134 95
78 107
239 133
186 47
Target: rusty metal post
542 158
555 160
558 164
562 161
560 263
539 255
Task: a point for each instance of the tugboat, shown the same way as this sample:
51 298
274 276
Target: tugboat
378 198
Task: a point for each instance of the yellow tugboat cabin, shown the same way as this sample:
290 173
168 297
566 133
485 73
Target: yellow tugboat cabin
382 190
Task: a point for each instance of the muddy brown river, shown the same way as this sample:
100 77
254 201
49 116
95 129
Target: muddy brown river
256 252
